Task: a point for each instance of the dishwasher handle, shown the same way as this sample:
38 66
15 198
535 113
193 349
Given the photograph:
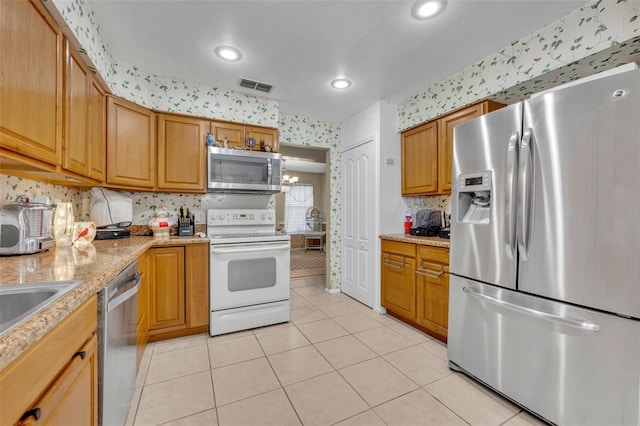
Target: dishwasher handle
119 299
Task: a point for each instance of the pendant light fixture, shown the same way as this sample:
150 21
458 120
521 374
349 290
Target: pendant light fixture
287 181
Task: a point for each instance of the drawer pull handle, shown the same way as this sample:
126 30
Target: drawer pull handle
81 354
429 273
394 264
36 413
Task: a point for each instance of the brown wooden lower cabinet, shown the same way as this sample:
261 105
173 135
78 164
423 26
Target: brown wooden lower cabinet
415 285
57 377
433 298
72 398
178 291
398 278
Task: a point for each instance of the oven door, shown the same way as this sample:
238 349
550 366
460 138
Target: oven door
245 274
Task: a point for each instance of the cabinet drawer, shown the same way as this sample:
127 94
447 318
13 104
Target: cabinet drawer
433 254
402 249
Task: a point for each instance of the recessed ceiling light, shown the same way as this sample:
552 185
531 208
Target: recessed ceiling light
427 9
228 53
340 83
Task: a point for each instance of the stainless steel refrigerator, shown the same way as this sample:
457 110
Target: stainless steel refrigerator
544 303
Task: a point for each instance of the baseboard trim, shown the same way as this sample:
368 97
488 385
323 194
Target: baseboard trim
332 290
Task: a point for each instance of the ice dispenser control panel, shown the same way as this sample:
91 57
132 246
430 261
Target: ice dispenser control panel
474 197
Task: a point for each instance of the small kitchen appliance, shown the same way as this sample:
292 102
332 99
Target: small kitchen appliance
427 224
112 212
25 228
249 270
240 171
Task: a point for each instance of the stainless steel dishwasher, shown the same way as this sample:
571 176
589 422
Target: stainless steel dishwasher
117 322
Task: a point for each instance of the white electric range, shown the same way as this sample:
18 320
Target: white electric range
249 270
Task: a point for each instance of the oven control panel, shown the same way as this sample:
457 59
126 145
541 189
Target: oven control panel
224 217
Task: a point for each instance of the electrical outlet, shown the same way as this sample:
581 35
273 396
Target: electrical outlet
199 217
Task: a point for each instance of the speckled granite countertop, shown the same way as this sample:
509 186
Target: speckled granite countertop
96 264
425 241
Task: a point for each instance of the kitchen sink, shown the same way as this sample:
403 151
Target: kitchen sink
19 302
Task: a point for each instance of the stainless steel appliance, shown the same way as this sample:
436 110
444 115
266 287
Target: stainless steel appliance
25 228
117 333
545 250
236 170
249 270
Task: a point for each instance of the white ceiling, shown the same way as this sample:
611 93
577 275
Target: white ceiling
299 46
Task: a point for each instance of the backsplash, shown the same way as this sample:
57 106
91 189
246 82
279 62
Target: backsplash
431 202
13 187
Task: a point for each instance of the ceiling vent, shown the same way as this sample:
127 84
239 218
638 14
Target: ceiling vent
255 85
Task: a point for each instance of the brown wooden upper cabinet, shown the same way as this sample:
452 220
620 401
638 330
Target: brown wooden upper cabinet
237 134
420 160
31 92
131 145
97 131
181 153
269 136
427 151
84 140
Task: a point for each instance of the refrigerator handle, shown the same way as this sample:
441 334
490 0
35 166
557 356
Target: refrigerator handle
510 196
583 325
525 193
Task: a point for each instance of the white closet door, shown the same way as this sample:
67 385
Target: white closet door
358 230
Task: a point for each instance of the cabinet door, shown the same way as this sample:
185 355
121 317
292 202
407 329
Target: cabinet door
96 130
72 399
75 144
131 142
197 286
269 136
143 308
420 160
181 153
433 297
234 133
166 290
31 90
445 138
399 285
445 143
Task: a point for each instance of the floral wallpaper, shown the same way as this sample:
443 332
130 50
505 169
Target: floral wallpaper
13 187
597 26
165 94
298 130
82 21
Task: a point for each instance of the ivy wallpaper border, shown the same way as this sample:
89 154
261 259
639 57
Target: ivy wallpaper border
599 25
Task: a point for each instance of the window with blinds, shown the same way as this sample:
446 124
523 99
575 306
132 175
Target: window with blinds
296 202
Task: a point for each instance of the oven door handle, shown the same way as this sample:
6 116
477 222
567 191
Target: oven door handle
244 249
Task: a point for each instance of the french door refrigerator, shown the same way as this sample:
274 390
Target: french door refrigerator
545 252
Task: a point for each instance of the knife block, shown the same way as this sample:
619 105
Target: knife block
185 227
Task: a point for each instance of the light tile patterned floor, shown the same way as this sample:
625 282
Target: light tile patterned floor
336 362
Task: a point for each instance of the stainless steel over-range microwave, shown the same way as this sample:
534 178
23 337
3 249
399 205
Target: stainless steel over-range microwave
236 170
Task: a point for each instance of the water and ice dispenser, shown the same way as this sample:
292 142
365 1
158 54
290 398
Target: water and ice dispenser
474 197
